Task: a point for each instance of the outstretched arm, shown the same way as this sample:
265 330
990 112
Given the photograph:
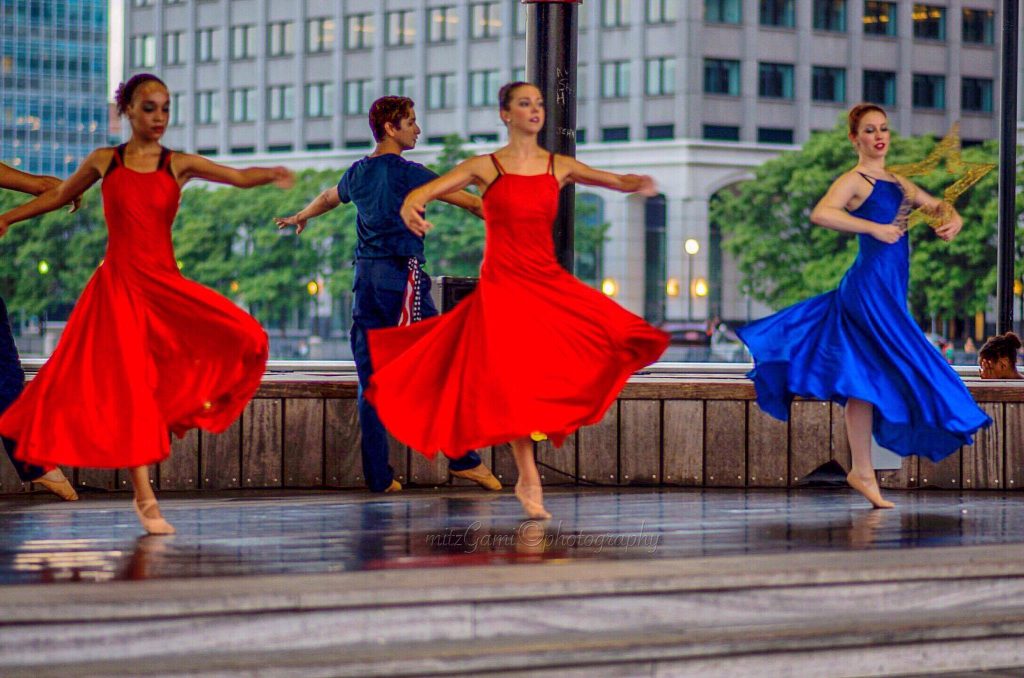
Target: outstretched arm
453 181
466 200
325 202
626 183
33 184
830 212
69 191
952 222
187 166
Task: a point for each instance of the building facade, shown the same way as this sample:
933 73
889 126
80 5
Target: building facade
53 83
695 93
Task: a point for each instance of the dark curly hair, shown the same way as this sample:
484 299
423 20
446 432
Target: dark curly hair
1001 346
388 109
126 90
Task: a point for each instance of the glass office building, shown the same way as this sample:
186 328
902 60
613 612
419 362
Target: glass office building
53 83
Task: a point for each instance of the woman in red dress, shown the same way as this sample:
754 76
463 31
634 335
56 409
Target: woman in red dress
145 350
532 350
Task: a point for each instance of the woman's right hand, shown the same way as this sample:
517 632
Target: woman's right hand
412 214
887 233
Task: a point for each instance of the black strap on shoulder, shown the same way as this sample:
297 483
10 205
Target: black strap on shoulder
116 159
871 180
165 161
497 165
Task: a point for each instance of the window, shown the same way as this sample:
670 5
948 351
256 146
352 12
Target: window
173 54
319 100
520 20
358 143
661 131
142 3
401 29
359 30
143 51
485 20
929 91
778 13
828 84
279 38
976 95
207 107
830 15
319 35
177 103
281 102
519 74
614 13
880 87
722 76
662 11
243 42
357 96
615 79
440 91
279 148
721 133
242 150
774 135
775 81
879 18
581 136
243 104
318 146
483 138
615 134
723 11
483 88
979 26
929 22
207 45
661 76
441 24
400 86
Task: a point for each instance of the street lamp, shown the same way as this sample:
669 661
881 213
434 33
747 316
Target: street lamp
610 287
691 247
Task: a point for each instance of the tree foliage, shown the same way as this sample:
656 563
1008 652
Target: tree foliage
783 258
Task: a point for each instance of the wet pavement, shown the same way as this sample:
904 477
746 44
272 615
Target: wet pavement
239 534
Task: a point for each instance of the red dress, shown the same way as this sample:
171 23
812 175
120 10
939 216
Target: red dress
145 350
532 349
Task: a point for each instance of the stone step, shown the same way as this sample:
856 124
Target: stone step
607 615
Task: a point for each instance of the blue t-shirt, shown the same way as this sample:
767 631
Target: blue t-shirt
378 186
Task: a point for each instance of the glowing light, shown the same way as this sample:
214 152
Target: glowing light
700 287
1018 287
610 287
313 288
44 267
672 287
691 246
234 286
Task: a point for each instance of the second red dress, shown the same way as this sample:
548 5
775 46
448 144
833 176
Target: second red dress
145 351
532 349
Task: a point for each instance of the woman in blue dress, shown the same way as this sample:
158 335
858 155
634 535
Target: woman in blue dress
858 345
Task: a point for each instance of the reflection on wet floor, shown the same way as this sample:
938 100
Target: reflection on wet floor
98 539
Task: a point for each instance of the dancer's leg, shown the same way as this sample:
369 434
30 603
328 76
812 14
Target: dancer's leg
145 503
528 488
862 475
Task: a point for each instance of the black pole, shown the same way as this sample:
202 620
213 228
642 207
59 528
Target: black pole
1007 167
551 60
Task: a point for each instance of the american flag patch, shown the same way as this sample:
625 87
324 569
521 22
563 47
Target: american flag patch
412 311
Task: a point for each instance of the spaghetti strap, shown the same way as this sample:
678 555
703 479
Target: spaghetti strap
551 164
869 179
116 159
165 161
497 165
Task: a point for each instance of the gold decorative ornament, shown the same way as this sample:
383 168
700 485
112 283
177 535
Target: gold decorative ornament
967 174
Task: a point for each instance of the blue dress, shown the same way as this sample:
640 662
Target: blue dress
859 341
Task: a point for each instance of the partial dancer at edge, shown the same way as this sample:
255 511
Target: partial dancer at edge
389 279
145 350
858 345
12 377
532 349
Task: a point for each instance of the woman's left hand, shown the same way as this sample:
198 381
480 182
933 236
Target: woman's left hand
643 184
949 229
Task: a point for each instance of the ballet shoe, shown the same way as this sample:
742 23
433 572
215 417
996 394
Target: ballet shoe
534 508
55 481
395 486
151 525
481 475
869 489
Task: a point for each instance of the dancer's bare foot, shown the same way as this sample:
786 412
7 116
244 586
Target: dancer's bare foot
868 486
532 499
149 515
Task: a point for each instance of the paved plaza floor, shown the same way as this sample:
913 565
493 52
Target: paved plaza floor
262 533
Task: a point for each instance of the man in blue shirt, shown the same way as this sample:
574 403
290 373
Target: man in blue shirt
388 257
